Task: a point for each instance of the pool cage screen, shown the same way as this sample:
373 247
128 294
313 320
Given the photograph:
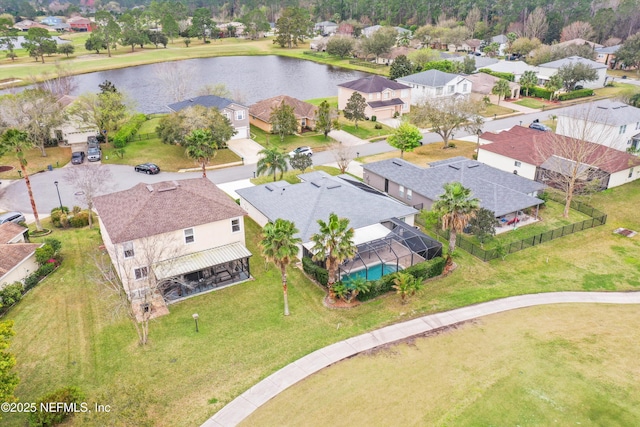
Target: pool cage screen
403 247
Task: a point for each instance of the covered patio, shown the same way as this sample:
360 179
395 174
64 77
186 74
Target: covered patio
191 274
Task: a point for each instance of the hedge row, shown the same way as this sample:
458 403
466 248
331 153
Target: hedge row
318 273
580 93
507 76
128 130
62 219
69 398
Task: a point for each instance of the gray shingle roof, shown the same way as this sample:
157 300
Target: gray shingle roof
612 113
501 38
481 61
208 101
432 78
608 49
498 191
573 60
318 196
373 84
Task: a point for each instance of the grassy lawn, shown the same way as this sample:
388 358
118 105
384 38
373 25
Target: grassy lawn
365 130
291 176
428 153
615 90
531 103
150 125
332 100
314 140
56 157
499 110
567 365
169 158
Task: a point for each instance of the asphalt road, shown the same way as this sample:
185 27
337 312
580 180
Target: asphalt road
13 195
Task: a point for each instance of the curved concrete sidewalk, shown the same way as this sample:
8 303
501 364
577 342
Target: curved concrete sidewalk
242 406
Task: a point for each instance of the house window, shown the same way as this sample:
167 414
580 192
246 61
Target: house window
623 129
451 88
393 93
404 93
228 116
403 219
188 236
438 91
128 249
240 115
631 173
378 95
464 87
235 225
637 125
401 191
518 164
141 273
409 194
386 95
370 96
405 107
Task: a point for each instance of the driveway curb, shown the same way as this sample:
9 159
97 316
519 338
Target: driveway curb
242 406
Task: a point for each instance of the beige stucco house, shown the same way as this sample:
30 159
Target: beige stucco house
482 86
260 112
385 98
173 239
17 257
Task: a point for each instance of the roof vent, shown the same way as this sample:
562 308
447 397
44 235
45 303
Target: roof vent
473 165
331 187
167 188
176 183
456 167
602 108
315 184
268 188
150 188
396 163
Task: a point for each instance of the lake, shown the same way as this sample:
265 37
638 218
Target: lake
248 78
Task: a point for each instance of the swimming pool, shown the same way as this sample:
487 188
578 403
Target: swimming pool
373 273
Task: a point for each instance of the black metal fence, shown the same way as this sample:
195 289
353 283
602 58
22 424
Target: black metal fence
366 64
598 218
142 136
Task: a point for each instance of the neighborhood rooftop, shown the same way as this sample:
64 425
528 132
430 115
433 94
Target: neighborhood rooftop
373 84
263 109
151 209
10 230
433 78
319 195
606 111
12 254
207 101
572 60
498 191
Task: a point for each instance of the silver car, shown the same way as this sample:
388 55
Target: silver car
94 154
16 217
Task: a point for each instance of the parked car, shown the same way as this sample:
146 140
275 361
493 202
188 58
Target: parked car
77 158
16 217
307 151
94 154
539 126
93 141
148 168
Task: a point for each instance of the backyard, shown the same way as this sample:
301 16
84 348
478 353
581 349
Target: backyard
242 331
429 153
56 157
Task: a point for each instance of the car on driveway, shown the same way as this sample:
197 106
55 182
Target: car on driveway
16 217
307 151
148 168
539 126
92 141
77 158
94 154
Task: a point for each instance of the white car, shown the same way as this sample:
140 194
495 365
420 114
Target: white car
307 151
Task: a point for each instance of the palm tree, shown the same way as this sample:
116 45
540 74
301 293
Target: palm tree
18 142
272 161
334 244
406 285
456 207
201 147
280 247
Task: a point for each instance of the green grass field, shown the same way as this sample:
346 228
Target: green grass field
572 365
56 157
316 141
498 110
531 103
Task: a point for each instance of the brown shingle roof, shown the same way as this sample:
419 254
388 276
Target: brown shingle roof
262 109
527 145
9 230
149 210
373 84
13 254
483 83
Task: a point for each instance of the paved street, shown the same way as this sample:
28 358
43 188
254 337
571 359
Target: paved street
13 195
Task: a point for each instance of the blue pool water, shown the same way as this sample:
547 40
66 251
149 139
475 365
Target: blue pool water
373 273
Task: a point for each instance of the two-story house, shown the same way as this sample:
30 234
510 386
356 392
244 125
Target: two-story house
435 84
385 98
548 69
607 122
237 113
260 112
173 239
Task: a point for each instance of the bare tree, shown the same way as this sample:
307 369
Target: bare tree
343 154
472 19
577 30
59 82
174 79
91 181
536 24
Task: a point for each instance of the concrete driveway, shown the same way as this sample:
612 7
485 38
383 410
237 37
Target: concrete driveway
248 149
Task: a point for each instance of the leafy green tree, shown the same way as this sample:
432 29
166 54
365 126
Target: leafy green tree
524 45
554 83
528 80
468 65
483 224
405 137
502 89
255 22
133 31
333 243
157 37
201 147
8 379
354 110
406 285
293 26
66 49
17 142
422 57
95 42
629 53
491 49
341 46
280 246
174 128
272 161
301 162
400 67
379 42
108 29
456 207
38 42
445 66
8 36
445 115
187 41
324 121
283 121
571 74
347 290
201 23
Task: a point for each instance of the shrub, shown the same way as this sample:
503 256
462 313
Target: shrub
54 243
44 254
31 281
68 395
451 145
45 270
377 126
11 294
374 118
580 93
79 220
56 214
539 92
76 210
128 130
318 273
507 76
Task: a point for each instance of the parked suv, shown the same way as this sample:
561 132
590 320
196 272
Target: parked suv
16 217
307 151
77 158
93 141
94 154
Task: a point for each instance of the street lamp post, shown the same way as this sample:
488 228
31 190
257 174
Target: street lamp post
195 318
58 191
